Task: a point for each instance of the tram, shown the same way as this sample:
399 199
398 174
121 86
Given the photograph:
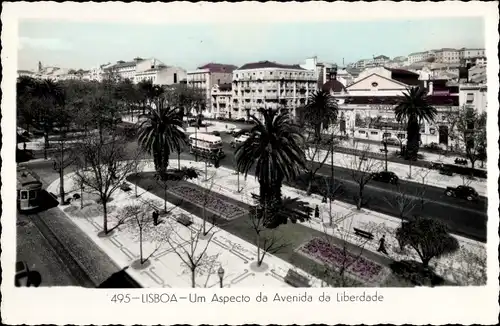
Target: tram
28 190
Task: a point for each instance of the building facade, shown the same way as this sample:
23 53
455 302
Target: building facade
128 69
161 75
447 55
366 108
268 84
207 76
221 101
466 53
474 96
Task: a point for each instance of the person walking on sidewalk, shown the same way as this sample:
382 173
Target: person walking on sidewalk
316 212
381 247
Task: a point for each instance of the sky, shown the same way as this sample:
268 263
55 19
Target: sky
85 45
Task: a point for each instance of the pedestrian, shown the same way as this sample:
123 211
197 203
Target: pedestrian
381 247
155 218
316 212
24 146
324 200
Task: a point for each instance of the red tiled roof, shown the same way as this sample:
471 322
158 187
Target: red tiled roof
218 67
333 85
268 64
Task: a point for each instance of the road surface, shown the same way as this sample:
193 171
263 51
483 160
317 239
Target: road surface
464 218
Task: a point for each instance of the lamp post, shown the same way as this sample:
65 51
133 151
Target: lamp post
221 272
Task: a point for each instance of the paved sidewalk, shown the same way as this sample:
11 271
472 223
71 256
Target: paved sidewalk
235 254
166 269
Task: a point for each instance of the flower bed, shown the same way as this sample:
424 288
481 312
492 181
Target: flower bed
213 203
362 268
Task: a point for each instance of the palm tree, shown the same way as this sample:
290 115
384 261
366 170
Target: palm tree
161 133
275 147
320 111
414 108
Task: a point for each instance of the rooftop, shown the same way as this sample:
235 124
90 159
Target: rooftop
441 100
334 85
269 64
219 67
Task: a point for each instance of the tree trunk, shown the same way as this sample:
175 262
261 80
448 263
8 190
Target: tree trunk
165 197
359 202
259 261
179 160
61 184
193 277
105 214
309 187
140 244
425 262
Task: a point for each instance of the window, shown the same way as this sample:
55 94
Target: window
361 132
374 133
271 73
175 78
401 136
24 194
386 135
470 98
32 194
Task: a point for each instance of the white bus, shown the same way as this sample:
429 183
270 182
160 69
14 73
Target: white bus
206 145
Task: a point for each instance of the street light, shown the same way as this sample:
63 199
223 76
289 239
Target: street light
221 272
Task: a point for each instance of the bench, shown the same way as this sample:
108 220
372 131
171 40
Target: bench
364 234
184 220
125 187
296 280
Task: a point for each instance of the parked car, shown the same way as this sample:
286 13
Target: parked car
435 165
22 274
215 133
464 192
230 130
238 141
385 176
235 131
241 120
460 161
391 141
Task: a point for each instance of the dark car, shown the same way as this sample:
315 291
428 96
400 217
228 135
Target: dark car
460 161
435 165
464 192
216 133
385 176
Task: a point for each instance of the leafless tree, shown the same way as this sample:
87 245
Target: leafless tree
107 168
361 167
268 241
63 159
352 247
468 267
315 157
191 248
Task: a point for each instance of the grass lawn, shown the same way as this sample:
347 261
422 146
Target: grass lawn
294 235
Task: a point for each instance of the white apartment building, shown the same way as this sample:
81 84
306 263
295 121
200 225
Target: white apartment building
381 60
465 53
161 75
474 96
128 69
268 84
221 101
25 73
209 75
477 74
420 56
447 55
